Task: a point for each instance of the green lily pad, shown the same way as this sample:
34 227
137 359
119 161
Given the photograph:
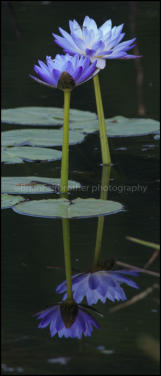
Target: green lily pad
125 127
39 137
7 201
63 208
29 154
33 185
120 126
86 127
49 116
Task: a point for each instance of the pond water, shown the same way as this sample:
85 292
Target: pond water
127 342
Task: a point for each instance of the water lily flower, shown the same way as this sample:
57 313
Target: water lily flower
65 71
67 319
99 285
98 43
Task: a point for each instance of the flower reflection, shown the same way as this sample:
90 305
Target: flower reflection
67 319
99 285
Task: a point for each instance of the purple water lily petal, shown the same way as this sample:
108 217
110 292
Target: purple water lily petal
77 66
100 285
83 322
94 41
93 281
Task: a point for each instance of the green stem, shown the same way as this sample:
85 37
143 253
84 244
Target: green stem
106 159
67 257
65 147
104 193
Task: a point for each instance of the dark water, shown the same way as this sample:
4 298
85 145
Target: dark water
30 244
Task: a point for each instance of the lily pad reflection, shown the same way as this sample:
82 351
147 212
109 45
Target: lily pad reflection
33 185
7 201
29 154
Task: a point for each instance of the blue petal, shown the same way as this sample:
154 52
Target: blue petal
49 311
61 287
67 36
106 27
44 323
77 73
119 294
90 52
87 74
134 273
102 288
45 76
79 42
116 55
107 280
69 68
110 294
75 28
56 75
64 43
88 36
79 277
53 330
116 41
79 292
59 324
122 279
90 24
99 45
126 43
92 297
93 281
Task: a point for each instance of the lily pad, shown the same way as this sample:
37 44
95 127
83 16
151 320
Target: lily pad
7 201
86 127
63 208
33 185
125 127
120 126
39 137
29 154
49 116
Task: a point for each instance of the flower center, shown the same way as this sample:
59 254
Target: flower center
66 81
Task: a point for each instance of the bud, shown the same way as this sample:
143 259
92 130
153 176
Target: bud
66 82
69 312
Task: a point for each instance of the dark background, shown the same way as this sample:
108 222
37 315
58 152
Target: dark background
29 244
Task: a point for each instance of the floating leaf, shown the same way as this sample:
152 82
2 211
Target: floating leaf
39 137
120 126
49 116
29 154
63 208
30 185
7 201
87 127
125 127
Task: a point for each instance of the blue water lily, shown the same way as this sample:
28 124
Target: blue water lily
65 71
68 320
99 285
99 43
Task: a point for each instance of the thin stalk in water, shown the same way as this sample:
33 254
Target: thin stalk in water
65 147
106 159
103 196
67 257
